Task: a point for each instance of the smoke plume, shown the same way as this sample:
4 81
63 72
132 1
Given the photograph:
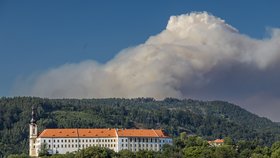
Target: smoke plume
198 55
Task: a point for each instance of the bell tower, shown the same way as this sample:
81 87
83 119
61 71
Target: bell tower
33 133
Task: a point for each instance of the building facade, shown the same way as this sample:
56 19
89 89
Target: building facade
61 141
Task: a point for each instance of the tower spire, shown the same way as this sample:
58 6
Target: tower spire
33 119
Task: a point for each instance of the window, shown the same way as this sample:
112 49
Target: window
49 146
49 141
122 140
44 141
58 146
58 140
126 140
54 141
86 140
90 140
62 141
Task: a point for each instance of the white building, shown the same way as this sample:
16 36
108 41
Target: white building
73 139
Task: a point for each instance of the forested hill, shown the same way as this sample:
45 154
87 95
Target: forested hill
211 119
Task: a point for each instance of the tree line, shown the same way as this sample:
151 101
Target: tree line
209 120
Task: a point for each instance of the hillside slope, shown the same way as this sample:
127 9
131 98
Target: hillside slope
210 120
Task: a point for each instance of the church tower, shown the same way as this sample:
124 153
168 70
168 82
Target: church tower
33 133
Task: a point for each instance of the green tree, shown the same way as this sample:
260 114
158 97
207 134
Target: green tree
126 154
255 155
146 154
95 152
18 156
245 153
195 141
44 150
198 152
275 153
275 146
225 151
228 141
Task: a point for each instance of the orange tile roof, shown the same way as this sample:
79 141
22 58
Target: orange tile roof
106 132
97 132
78 132
59 133
218 141
140 133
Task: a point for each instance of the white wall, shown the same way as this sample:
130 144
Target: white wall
64 145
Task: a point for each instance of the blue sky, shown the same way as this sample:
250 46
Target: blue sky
38 35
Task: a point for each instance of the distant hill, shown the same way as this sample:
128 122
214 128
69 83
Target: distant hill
210 119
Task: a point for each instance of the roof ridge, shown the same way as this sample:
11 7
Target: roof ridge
117 135
155 132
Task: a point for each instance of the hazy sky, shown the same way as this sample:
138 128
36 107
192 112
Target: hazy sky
43 43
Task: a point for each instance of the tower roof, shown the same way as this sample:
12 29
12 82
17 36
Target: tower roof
33 120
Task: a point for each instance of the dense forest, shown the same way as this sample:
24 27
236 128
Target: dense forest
209 119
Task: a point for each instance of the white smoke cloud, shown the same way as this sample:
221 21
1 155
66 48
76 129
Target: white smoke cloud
197 55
